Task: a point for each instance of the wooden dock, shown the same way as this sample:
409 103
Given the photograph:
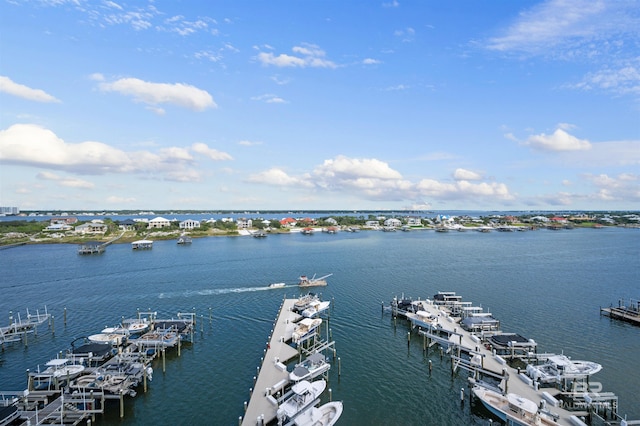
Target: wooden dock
629 313
272 375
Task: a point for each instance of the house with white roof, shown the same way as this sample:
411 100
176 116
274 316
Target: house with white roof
244 223
159 222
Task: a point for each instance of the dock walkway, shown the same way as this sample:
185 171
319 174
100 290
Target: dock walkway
273 375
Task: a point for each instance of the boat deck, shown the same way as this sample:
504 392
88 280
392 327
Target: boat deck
273 375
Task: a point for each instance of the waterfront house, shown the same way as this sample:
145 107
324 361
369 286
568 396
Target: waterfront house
127 225
58 227
288 222
414 221
91 228
189 224
159 222
393 223
244 223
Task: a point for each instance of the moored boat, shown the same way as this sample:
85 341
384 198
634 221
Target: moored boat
305 329
325 415
303 394
313 366
315 308
560 367
512 408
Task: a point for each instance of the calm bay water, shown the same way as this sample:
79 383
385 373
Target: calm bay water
545 285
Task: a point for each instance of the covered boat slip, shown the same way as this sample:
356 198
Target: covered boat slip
273 375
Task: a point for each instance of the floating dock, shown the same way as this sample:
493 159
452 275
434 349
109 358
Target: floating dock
629 313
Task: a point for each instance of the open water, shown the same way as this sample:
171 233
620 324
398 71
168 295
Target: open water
545 285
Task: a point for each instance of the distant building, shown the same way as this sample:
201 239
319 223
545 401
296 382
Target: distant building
288 222
189 224
244 223
393 222
91 228
9 211
127 225
159 222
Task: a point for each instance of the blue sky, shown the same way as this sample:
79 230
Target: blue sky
243 105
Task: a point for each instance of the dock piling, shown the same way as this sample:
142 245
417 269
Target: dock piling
339 367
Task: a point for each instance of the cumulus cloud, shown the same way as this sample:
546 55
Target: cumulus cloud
213 154
463 190
35 146
152 94
560 140
371 61
12 88
65 181
463 174
308 55
354 168
278 177
374 179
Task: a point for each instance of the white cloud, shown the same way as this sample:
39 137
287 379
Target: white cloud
463 174
249 143
560 140
353 168
556 22
35 146
152 94
12 88
65 181
463 190
310 55
371 61
621 81
213 154
269 99
374 180
278 177
114 199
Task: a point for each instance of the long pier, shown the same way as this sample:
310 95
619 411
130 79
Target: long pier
272 374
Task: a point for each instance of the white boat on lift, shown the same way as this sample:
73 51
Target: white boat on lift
316 307
313 366
512 408
305 328
325 415
560 367
303 395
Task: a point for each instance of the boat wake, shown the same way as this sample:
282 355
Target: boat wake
216 291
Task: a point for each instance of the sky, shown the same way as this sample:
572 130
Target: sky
332 105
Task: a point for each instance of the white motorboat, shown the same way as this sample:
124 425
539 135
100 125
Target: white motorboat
59 369
114 339
315 308
422 319
325 415
315 365
304 301
305 329
560 367
277 285
303 395
512 408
